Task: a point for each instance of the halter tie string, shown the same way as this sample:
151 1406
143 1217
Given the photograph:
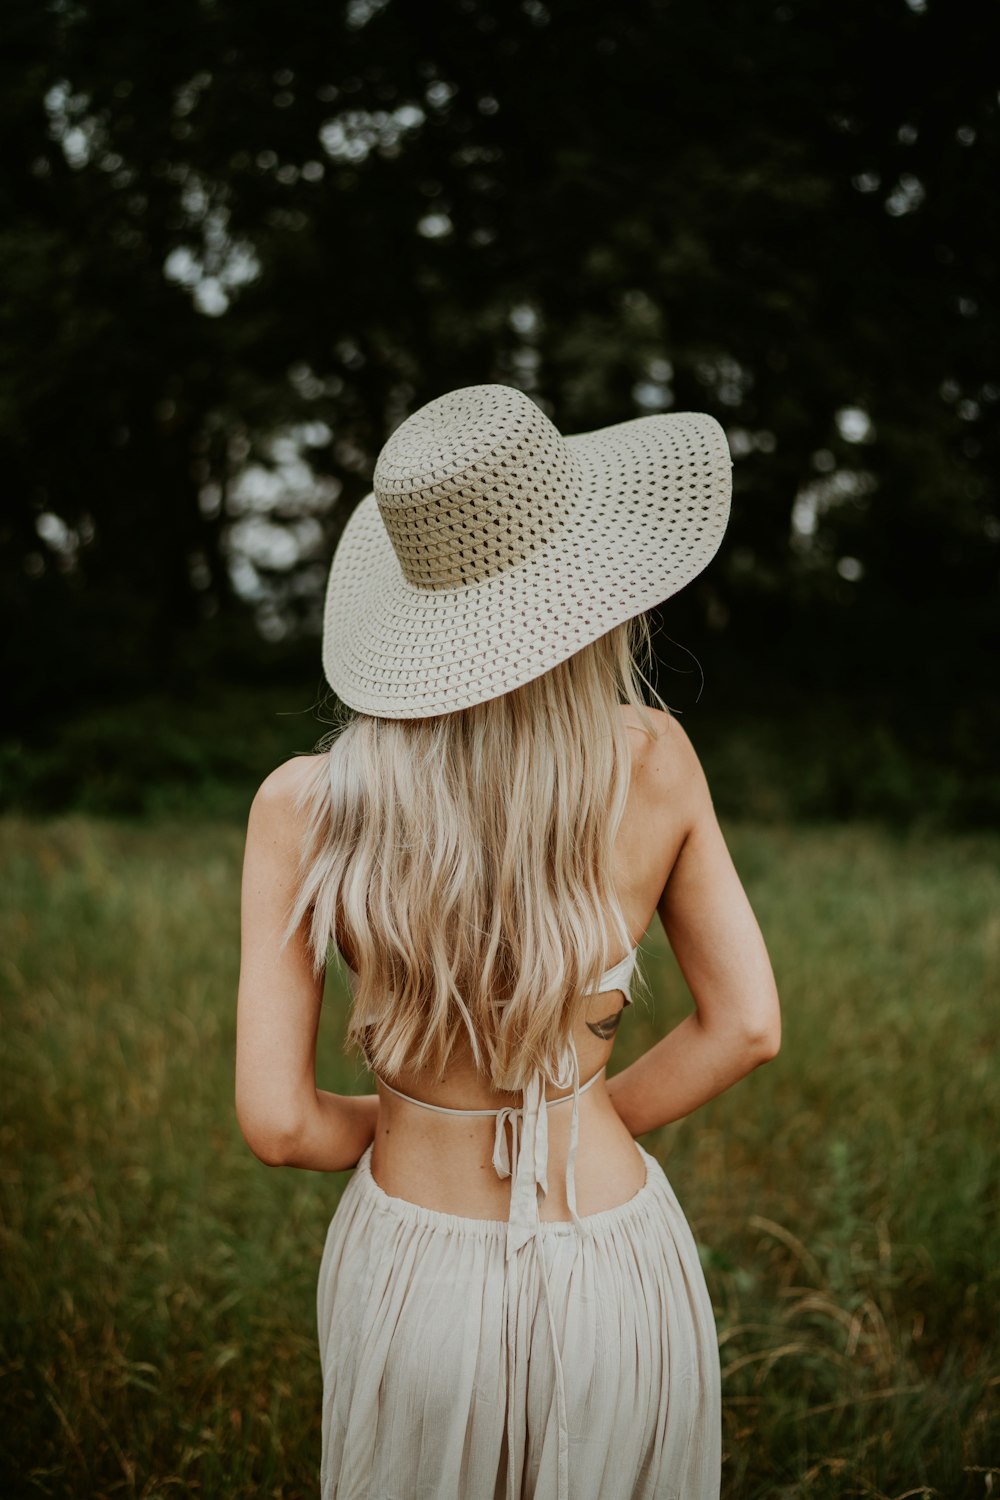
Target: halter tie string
526 1163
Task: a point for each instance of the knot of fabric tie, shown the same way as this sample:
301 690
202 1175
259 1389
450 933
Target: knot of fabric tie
504 1156
526 1164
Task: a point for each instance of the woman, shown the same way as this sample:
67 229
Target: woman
510 1301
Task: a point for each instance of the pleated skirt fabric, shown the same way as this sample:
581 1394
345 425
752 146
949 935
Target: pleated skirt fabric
428 1346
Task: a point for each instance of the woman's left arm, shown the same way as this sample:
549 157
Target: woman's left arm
285 1119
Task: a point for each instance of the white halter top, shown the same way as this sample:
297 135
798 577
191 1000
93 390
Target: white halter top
526 1163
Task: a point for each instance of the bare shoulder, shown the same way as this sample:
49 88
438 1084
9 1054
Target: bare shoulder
667 801
277 802
288 778
670 795
666 762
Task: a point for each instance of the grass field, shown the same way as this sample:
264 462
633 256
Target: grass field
158 1321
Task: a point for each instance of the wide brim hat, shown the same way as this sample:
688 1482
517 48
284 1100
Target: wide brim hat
492 547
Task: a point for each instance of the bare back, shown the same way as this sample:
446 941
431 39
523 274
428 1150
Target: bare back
443 1162
670 857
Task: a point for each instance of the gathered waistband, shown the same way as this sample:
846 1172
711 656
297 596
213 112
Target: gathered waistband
433 1218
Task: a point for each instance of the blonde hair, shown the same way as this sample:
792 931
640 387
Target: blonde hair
464 861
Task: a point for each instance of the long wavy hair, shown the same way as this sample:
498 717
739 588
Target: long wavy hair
465 861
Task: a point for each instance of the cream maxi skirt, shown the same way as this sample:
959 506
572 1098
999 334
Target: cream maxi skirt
438 1372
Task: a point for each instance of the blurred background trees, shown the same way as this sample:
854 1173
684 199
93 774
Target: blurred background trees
239 243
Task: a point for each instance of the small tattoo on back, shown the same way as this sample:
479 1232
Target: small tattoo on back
606 1029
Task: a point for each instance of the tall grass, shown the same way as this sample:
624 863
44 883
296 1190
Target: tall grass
158 1333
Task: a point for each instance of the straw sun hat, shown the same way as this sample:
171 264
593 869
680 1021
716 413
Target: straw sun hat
493 547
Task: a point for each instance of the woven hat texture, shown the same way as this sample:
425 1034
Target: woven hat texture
492 547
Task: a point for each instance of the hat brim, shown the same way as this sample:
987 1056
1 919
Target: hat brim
652 507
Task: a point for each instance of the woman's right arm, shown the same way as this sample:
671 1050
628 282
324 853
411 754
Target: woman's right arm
736 1022
285 1119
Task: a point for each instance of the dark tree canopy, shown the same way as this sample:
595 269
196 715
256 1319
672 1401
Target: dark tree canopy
242 240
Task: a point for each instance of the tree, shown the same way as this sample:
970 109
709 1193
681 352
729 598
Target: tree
230 228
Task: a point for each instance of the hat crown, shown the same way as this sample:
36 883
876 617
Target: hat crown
472 484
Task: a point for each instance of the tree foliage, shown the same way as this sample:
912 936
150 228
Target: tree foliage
243 241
